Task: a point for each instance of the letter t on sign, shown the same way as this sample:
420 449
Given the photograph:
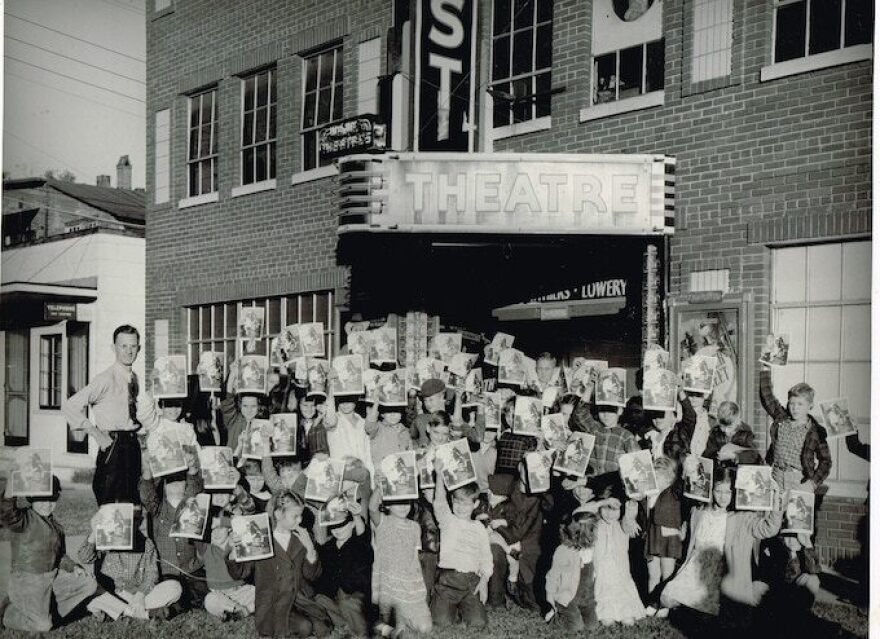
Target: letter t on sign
446 66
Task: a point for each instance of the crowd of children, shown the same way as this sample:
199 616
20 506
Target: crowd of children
585 551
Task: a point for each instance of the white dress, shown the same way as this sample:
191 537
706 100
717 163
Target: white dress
617 598
349 439
698 584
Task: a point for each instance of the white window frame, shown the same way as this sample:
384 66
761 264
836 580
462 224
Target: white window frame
644 100
211 159
338 50
270 142
535 122
36 373
812 62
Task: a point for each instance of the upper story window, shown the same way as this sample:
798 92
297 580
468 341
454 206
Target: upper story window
627 73
809 27
259 113
202 148
522 54
322 100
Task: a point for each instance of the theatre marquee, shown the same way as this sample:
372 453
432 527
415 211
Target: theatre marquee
507 193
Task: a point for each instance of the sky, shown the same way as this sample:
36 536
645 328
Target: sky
85 107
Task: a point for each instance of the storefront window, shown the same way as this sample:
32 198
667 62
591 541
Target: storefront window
522 54
50 371
212 327
821 298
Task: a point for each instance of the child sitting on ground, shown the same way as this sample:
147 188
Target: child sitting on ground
570 581
40 568
230 596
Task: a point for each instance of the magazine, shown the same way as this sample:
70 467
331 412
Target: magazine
500 342
637 472
611 387
660 390
512 367
287 346
218 472
252 374
581 383
317 374
311 337
165 454
427 368
527 414
799 515
281 435
253 537
333 512
349 375
31 472
458 465
391 388
114 527
493 404
361 343
698 374
399 476
754 488
698 484
211 370
461 363
554 429
252 439
425 462
774 352
324 479
383 348
575 457
192 517
836 417
444 346
655 359
372 379
169 377
251 326
538 465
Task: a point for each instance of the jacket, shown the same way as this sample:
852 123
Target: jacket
278 580
564 575
815 456
38 542
176 554
744 531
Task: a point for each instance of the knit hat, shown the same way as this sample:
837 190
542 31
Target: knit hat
432 387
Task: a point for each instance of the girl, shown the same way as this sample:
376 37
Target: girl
398 582
346 434
665 533
617 598
388 435
570 587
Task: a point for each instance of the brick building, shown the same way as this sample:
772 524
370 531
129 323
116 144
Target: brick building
764 106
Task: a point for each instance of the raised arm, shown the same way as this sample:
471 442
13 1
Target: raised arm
147 411
768 399
270 476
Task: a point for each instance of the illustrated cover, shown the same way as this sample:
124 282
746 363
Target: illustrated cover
253 537
527 414
611 387
114 527
211 370
637 472
192 517
575 457
169 377
31 472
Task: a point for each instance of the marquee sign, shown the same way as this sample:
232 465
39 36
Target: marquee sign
354 135
508 193
445 74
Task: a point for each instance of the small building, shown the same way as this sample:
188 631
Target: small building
72 271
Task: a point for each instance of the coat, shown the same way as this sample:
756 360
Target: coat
564 575
278 580
744 531
38 545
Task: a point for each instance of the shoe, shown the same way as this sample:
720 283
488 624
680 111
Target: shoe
663 613
383 630
650 611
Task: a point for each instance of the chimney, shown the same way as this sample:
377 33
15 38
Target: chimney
123 173
103 180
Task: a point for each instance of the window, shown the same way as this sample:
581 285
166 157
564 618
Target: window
821 297
50 371
162 156
259 109
522 54
627 73
77 376
322 100
202 154
713 34
212 327
809 27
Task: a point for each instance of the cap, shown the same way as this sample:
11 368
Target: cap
432 387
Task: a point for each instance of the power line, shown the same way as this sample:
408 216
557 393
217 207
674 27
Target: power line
68 35
70 77
81 97
44 152
88 64
121 5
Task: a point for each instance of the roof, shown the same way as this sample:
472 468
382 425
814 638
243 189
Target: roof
123 204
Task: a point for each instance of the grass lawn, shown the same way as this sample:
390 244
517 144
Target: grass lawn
77 505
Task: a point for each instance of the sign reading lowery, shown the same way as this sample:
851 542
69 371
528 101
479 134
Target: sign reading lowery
513 193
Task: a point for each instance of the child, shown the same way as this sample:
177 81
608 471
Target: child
612 440
256 483
617 599
510 447
465 563
433 393
284 597
166 420
386 436
133 575
237 409
311 426
731 440
664 547
485 458
346 434
288 477
398 583
178 557
344 584
230 596
40 568
570 581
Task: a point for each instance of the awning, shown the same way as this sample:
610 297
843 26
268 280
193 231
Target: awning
23 304
546 311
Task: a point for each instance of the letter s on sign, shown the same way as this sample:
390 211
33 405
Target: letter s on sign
442 10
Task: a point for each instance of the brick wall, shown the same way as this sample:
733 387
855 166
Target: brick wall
750 154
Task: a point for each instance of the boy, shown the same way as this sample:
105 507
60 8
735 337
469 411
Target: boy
612 440
237 409
230 597
40 567
434 400
284 604
465 563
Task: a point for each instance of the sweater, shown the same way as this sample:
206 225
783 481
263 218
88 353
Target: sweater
565 574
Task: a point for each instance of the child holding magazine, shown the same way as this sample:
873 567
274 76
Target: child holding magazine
398 582
230 596
665 530
387 432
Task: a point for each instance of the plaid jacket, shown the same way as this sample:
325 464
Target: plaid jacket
815 456
610 444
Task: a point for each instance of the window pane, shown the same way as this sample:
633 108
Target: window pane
194 144
261 170
261 124
205 315
823 272
207 175
247 130
207 107
656 66
324 97
825 380
793 321
855 385
249 86
309 111
338 99
501 108
824 25
231 319
194 183
262 89
292 310
216 134
605 78
194 353
523 13
322 308
247 166
544 47
326 72
271 160
858 22
194 110
307 307
823 333
857 332
542 102
791 29
630 72
311 74
522 111
309 153
338 61
545 10
789 275
272 111
501 58
273 313
502 16
522 52
205 147
218 321
856 270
